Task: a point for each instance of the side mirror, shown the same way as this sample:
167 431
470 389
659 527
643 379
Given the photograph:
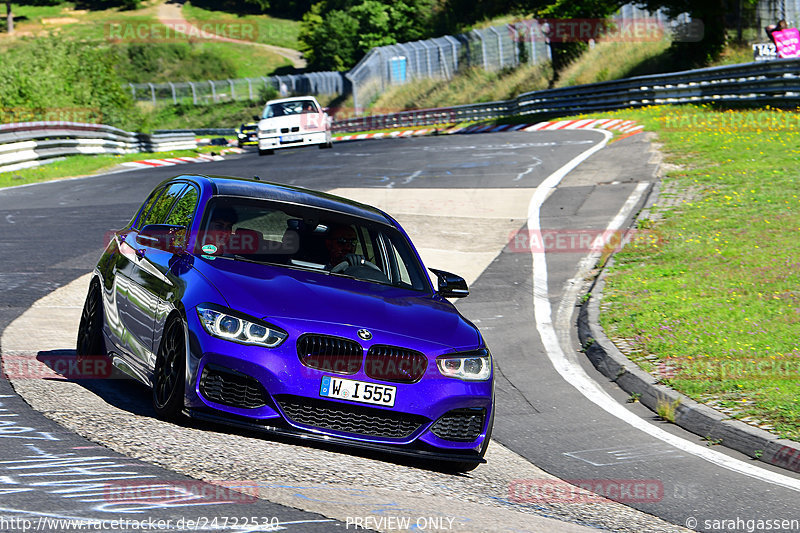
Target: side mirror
450 285
167 237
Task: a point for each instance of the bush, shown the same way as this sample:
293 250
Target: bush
52 79
156 63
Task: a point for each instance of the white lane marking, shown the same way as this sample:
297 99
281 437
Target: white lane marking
575 375
528 170
412 176
10 219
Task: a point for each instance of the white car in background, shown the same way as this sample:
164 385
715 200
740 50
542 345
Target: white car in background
297 121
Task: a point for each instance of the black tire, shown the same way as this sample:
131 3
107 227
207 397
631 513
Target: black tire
90 331
325 145
169 374
265 152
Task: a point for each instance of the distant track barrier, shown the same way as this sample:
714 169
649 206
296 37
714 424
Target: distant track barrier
29 144
776 83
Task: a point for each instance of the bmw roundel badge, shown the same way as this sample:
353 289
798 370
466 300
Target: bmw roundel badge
365 334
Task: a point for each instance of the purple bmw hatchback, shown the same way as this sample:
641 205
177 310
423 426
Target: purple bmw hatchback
294 312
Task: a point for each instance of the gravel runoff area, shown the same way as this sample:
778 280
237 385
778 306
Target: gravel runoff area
506 494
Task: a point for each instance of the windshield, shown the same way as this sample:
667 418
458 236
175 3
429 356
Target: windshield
293 107
306 238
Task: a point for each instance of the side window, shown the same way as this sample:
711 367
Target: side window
183 211
158 213
146 207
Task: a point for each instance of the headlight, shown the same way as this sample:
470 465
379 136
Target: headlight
469 366
230 325
267 132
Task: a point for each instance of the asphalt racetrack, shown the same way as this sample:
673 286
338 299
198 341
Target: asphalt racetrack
93 450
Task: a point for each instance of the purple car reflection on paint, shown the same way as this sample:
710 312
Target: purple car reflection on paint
291 311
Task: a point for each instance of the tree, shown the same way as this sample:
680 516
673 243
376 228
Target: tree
335 34
9 18
712 15
563 53
10 13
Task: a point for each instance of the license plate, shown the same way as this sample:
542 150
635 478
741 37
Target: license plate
357 391
291 138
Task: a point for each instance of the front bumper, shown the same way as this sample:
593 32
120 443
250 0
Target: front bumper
271 390
288 140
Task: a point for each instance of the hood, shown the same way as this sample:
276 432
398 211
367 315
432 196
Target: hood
305 121
301 301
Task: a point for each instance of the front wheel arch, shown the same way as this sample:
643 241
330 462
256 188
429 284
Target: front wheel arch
169 372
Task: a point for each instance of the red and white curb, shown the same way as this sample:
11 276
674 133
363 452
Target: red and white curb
627 127
149 163
615 124
391 134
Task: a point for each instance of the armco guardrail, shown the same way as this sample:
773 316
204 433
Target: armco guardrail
776 82
29 144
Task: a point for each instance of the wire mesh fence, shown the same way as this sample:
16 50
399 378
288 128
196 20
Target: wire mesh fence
213 91
492 48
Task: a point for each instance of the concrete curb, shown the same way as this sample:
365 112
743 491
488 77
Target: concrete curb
689 414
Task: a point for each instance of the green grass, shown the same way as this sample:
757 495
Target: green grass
610 61
715 296
188 116
264 28
84 165
472 86
115 27
249 61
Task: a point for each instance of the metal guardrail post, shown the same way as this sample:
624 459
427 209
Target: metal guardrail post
194 93
174 97
233 91
133 91
213 92
152 93
250 89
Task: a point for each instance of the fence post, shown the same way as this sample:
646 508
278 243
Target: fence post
250 89
174 98
454 47
499 45
213 92
133 91
483 49
354 85
427 58
515 43
233 92
152 93
194 93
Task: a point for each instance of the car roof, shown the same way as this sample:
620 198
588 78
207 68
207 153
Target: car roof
255 188
292 99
